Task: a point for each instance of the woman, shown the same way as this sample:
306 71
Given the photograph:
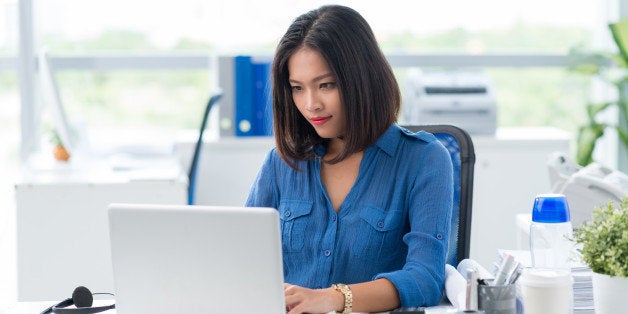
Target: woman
364 204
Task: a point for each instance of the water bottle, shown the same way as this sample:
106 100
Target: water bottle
551 232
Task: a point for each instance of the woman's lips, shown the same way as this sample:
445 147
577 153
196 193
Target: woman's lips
319 120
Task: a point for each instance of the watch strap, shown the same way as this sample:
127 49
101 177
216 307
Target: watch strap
346 291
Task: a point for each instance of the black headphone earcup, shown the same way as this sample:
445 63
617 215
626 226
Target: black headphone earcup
82 297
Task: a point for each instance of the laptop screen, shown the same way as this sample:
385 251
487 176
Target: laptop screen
196 259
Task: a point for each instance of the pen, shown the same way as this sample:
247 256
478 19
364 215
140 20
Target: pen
472 290
505 270
515 274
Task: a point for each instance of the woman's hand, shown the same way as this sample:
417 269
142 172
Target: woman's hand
303 300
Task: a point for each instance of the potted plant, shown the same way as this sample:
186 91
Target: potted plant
59 152
611 68
604 242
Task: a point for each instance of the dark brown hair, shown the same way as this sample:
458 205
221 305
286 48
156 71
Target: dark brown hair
369 92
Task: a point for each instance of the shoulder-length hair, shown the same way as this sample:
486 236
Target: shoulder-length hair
369 92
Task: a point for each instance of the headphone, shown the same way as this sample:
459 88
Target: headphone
83 299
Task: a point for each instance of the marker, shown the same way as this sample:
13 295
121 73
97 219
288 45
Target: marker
515 274
472 290
505 270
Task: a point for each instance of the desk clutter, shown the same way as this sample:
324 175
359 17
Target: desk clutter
582 286
474 289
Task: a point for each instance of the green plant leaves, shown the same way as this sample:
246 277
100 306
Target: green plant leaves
619 31
594 109
611 68
587 136
604 240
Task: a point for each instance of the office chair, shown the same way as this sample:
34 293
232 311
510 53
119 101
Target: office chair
460 147
197 148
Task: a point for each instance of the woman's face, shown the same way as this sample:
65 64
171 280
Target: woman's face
315 92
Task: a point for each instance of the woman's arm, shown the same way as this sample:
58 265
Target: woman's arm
373 296
421 280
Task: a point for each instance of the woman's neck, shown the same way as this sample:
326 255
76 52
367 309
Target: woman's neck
334 148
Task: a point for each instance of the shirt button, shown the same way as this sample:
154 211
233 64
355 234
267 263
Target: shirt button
439 236
380 224
287 214
333 218
327 252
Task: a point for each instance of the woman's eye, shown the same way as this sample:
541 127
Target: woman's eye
328 85
295 88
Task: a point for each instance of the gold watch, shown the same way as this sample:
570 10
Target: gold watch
346 291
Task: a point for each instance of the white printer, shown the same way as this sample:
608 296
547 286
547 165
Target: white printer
464 99
585 187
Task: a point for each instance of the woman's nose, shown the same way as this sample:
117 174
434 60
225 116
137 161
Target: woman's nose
312 102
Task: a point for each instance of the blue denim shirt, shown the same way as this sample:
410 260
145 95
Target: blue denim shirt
393 224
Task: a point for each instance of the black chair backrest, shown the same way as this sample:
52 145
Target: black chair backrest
198 147
462 153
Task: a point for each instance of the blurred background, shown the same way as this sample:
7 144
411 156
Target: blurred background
102 52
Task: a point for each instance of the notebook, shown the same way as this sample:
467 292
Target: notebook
196 259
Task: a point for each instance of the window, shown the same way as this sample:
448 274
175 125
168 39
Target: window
9 90
173 99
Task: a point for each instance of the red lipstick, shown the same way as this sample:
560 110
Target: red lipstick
320 120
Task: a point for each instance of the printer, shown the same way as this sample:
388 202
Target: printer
585 187
463 99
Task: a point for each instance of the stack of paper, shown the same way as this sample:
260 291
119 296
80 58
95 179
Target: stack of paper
582 289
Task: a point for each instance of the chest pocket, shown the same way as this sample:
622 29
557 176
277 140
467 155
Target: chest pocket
379 234
294 215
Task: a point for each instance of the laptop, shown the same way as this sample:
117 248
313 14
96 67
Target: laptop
196 259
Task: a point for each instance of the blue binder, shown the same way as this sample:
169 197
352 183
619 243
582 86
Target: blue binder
244 96
263 100
253 110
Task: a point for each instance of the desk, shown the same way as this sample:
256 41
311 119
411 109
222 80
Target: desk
37 307
62 225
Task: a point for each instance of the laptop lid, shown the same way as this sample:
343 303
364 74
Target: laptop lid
196 259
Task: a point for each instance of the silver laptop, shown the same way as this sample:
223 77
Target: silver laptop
196 259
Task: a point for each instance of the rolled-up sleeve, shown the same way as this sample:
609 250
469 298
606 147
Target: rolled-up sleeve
421 280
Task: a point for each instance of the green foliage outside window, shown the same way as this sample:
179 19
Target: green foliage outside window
173 99
611 68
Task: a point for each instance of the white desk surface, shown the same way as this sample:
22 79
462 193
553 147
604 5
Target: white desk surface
117 168
38 307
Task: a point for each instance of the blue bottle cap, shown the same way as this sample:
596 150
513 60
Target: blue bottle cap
550 208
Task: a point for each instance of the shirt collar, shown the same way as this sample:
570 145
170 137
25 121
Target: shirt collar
389 140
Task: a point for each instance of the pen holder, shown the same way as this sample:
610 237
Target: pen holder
497 299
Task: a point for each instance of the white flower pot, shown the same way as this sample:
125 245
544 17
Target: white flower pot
610 294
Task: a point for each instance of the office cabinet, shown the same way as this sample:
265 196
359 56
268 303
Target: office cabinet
62 225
